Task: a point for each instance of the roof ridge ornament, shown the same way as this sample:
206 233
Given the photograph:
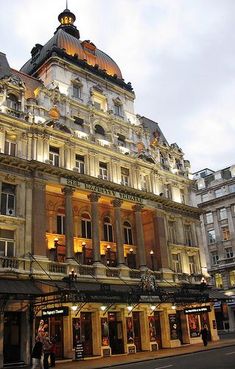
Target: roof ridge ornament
67 19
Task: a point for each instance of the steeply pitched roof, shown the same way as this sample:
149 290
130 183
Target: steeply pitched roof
5 70
31 83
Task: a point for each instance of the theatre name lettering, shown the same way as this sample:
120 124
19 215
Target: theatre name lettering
102 190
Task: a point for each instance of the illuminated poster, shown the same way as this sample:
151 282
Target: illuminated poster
105 331
129 330
173 326
152 328
76 331
193 323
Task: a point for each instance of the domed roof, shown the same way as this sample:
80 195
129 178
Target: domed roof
67 39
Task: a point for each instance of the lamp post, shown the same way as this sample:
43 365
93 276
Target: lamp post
72 276
108 251
83 252
56 240
152 260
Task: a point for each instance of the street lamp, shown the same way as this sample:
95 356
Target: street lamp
152 260
72 276
108 254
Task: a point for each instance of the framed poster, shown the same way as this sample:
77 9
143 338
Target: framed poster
152 328
193 322
76 331
173 326
129 330
105 332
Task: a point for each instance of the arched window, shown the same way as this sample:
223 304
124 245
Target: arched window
86 225
12 102
99 130
128 239
108 230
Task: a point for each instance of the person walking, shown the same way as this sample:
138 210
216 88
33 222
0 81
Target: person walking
46 350
37 354
204 334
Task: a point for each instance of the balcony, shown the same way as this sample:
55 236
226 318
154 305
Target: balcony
7 262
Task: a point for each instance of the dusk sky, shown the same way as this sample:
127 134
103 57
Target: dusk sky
179 56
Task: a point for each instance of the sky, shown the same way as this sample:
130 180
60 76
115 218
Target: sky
179 56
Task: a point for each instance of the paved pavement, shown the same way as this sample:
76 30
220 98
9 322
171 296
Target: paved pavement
95 363
227 339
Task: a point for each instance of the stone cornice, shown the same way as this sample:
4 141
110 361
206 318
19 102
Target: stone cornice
43 168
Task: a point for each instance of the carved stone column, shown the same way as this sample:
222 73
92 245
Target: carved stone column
140 236
68 191
94 198
118 230
39 219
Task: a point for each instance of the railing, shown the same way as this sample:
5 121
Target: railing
7 262
86 270
57 268
112 272
136 274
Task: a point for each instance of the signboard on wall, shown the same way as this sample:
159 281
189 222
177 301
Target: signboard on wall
197 310
62 310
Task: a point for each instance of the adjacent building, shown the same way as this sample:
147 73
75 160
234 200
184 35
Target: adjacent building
215 194
98 235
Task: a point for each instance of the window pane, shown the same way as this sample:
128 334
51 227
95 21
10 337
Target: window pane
10 249
2 248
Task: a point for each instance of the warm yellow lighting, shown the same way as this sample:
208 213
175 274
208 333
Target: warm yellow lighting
130 308
74 307
103 307
108 247
153 307
151 252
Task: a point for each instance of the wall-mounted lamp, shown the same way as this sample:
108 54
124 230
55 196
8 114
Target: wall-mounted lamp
129 308
74 307
152 260
153 307
72 276
103 307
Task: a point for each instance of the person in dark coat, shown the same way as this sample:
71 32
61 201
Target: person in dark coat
37 354
204 334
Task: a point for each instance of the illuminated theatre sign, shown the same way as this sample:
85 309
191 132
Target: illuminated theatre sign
197 310
101 190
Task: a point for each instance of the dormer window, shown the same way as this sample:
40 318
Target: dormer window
118 107
12 102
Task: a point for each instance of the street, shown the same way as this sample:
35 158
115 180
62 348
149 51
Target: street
220 358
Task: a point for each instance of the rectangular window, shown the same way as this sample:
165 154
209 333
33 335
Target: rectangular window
10 148
219 192
86 228
214 258
60 224
231 188
172 232
211 236
79 163
223 214
7 243
218 280
232 278
118 110
229 252
182 196
188 235
192 264
77 91
97 105
205 197
209 218
78 121
225 233
176 263
125 176
8 197
103 171
54 155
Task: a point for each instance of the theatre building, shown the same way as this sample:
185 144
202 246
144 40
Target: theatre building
98 236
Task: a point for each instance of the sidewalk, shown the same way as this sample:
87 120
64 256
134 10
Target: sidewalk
96 363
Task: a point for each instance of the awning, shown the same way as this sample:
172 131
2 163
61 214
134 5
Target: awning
18 289
217 295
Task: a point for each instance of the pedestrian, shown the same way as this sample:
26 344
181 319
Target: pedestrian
37 354
204 333
46 350
53 352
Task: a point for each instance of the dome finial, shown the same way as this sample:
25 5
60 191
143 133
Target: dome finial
66 4
67 19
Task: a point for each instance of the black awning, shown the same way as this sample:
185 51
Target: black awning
218 295
18 289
